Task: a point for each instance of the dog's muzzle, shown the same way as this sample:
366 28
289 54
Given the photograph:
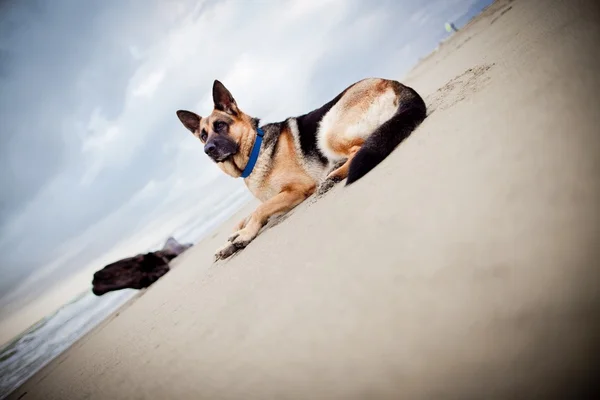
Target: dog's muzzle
220 149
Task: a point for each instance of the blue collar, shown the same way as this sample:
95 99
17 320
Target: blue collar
254 154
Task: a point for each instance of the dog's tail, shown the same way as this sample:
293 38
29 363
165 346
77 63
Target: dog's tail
411 112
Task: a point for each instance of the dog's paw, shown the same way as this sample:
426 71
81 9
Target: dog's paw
327 185
236 242
225 252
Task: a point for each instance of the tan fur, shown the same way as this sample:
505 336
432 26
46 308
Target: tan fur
285 168
289 197
342 172
363 108
286 178
363 92
281 185
342 145
284 186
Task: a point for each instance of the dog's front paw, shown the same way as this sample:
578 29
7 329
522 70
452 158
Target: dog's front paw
237 241
225 252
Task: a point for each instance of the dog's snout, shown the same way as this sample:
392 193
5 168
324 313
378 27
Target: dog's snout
210 149
219 149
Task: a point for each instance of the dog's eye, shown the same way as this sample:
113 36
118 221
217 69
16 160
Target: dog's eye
219 126
203 135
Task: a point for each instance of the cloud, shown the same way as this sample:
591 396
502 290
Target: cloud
148 86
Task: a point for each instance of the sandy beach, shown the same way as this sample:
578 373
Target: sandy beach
465 266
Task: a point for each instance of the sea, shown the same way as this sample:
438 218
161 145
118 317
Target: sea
48 338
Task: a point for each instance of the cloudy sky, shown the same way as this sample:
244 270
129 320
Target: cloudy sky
94 164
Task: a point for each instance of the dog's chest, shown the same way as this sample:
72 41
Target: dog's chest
259 182
282 169
263 192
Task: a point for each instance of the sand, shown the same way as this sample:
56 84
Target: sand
464 266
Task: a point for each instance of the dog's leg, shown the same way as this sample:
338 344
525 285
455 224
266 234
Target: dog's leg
241 224
281 203
342 172
338 174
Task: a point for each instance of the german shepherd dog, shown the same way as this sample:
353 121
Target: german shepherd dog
284 163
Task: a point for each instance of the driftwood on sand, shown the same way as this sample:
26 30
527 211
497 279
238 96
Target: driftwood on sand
137 272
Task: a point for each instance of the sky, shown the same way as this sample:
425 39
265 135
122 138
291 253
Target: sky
94 163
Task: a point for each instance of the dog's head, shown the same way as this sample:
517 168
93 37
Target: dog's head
227 133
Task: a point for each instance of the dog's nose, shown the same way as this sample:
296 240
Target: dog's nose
210 149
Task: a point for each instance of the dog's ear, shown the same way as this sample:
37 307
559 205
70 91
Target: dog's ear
223 100
190 120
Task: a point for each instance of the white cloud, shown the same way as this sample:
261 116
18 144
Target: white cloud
420 17
135 52
149 84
